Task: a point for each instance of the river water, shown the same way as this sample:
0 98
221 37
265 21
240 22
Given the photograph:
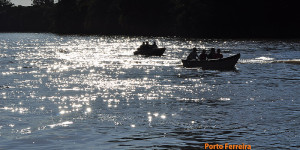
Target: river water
91 92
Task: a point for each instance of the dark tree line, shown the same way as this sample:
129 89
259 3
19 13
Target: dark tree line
42 2
26 19
190 18
5 3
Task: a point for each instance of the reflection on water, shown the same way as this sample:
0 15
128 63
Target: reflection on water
92 92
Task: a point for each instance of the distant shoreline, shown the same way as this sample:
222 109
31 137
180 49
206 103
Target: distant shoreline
165 36
182 18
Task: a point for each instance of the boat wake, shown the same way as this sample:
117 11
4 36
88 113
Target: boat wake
266 60
255 61
293 61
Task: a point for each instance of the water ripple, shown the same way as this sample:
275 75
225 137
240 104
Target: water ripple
92 92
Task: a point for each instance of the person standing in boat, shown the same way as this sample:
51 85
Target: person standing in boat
212 54
219 55
203 55
193 54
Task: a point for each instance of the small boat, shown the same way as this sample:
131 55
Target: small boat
227 63
150 51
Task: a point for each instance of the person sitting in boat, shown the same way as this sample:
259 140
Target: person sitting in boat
219 55
154 45
143 45
193 54
203 55
147 45
212 54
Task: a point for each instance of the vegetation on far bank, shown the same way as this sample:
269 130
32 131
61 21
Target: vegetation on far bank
188 18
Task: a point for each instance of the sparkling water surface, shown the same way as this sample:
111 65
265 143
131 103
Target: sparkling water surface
91 92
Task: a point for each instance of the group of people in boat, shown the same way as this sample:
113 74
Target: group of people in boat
203 56
146 45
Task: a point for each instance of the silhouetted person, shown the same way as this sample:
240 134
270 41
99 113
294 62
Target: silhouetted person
143 45
203 55
154 45
219 55
193 54
212 54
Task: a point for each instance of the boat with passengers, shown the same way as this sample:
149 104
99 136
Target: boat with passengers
227 63
149 50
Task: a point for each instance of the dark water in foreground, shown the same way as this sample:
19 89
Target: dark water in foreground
91 92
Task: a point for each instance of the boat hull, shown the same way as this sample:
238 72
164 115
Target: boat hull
227 63
150 52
